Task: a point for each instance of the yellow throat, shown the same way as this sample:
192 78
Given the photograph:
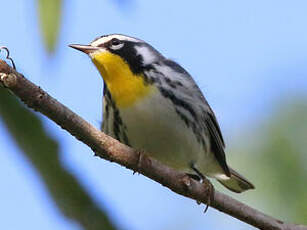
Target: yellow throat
125 87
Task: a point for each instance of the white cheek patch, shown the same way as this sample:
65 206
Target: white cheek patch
147 54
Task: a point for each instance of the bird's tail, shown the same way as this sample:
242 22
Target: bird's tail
236 182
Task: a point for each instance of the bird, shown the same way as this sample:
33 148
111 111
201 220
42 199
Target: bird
152 104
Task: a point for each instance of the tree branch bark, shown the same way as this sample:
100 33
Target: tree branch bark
114 151
42 152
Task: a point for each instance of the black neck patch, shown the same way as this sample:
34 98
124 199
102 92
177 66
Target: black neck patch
129 54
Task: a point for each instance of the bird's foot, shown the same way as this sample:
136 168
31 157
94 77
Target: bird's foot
210 194
204 181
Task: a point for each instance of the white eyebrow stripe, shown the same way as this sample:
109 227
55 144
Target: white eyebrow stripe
107 38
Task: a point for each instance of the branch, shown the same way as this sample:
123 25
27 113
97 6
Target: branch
112 150
70 197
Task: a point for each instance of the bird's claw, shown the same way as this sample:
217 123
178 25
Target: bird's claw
210 195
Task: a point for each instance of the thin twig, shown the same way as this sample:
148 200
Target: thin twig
112 150
8 57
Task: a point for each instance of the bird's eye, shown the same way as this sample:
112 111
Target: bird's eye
115 42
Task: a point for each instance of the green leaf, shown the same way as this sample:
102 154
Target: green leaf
49 12
43 153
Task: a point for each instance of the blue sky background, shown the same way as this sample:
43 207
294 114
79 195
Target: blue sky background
245 55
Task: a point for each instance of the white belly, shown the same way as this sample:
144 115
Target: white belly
154 126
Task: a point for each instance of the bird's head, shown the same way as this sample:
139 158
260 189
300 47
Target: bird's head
121 60
107 49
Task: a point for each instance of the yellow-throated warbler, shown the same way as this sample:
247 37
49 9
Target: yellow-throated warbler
151 103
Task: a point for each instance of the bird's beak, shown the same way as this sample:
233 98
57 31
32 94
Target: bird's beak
84 48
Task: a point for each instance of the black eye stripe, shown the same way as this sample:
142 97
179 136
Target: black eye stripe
101 45
112 42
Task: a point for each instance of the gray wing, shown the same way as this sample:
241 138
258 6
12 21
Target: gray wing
216 140
195 106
